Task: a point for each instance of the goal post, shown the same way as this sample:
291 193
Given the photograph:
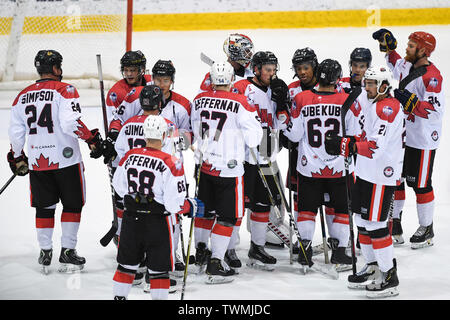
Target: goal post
78 29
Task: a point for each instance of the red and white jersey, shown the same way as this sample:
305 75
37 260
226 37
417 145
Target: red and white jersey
224 124
152 172
296 87
132 136
178 110
424 125
206 83
381 144
117 93
129 107
49 113
260 98
314 114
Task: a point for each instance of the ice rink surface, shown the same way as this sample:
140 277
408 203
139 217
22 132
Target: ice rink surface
423 274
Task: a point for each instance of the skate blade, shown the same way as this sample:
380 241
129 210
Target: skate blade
327 270
342 267
178 273
397 240
359 286
70 268
390 292
420 245
200 269
258 265
45 270
216 279
146 289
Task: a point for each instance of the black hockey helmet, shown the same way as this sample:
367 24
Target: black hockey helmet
329 71
133 58
46 59
261 58
150 97
164 68
305 55
361 55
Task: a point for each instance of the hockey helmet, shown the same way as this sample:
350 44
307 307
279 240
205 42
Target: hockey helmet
133 58
46 59
329 71
424 40
305 55
239 48
164 68
155 127
221 73
150 97
361 55
382 75
264 57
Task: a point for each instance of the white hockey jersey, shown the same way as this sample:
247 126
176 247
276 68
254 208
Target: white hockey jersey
260 98
296 87
381 144
49 113
424 125
315 114
224 124
132 136
206 83
152 172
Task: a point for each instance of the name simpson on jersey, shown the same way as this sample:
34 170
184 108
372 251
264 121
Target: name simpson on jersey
220 104
144 161
322 110
41 95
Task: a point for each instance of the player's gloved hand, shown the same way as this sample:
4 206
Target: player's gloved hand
108 150
197 208
340 146
95 144
408 100
184 140
18 165
386 39
280 93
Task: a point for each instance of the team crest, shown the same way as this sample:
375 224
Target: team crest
388 172
113 96
434 135
70 89
304 160
434 82
387 110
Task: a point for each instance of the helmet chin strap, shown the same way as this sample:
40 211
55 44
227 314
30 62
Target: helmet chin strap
380 93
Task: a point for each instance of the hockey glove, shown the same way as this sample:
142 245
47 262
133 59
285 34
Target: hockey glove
109 153
197 208
408 100
95 144
280 94
340 146
386 39
18 165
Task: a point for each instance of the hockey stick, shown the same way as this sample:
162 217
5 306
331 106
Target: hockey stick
324 235
206 59
420 71
112 231
291 246
8 182
345 107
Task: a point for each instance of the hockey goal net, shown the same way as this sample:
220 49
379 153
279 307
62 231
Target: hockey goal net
78 29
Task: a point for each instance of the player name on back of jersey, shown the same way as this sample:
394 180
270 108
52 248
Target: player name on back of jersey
322 110
217 103
145 161
134 130
33 96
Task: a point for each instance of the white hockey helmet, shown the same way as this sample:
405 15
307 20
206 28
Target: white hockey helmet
221 73
155 127
382 75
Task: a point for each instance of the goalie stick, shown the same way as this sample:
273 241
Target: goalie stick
206 59
112 231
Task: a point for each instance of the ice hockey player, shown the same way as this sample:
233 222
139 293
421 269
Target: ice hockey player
152 184
314 114
132 67
223 124
423 103
270 96
48 115
380 149
360 61
239 51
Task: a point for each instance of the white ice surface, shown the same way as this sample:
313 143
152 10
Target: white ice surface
423 274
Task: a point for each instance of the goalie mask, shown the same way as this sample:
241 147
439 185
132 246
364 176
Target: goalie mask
239 48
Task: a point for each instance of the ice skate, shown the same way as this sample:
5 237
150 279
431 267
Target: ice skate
232 259
339 258
397 232
260 259
368 275
172 288
70 261
202 255
388 287
423 237
45 258
178 271
217 274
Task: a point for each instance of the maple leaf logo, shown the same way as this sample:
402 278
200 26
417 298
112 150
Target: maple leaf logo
208 169
422 110
326 172
42 163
